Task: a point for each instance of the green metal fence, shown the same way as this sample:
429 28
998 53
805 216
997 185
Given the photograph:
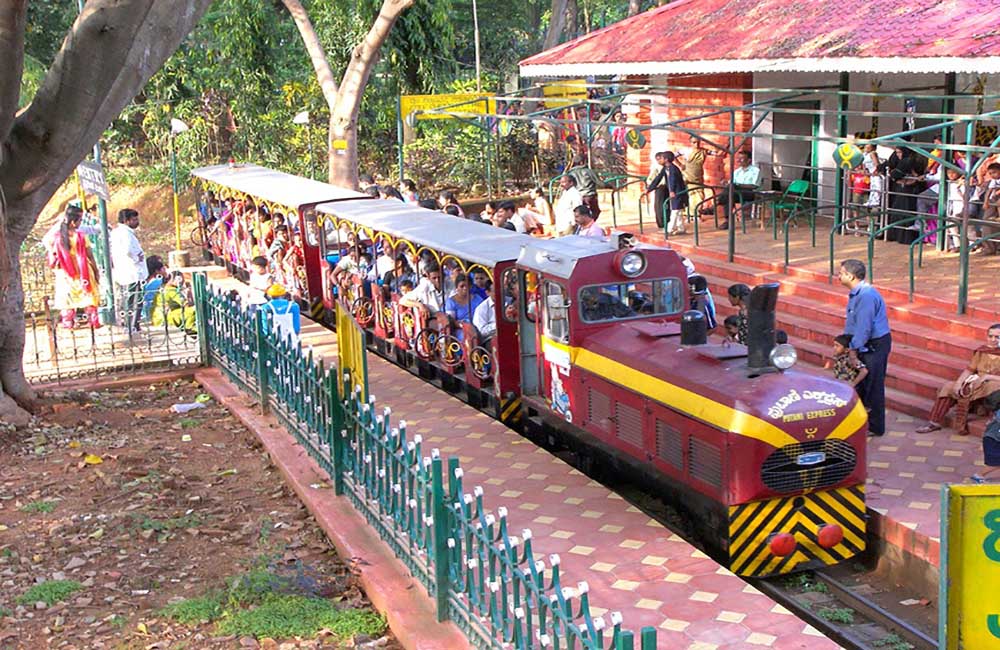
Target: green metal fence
486 580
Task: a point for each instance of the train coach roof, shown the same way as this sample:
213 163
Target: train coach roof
476 242
274 186
560 256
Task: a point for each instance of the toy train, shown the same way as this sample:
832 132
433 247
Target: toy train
594 347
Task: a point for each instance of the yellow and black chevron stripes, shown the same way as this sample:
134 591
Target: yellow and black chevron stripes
510 410
316 309
752 525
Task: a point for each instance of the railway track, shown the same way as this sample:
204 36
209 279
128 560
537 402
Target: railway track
843 613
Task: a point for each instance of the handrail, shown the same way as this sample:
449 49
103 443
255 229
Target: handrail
811 212
942 228
838 225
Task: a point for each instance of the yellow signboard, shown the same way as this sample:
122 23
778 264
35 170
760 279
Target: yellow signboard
351 350
970 567
564 93
469 103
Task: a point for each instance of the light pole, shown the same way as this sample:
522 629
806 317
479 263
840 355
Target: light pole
302 118
177 258
475 28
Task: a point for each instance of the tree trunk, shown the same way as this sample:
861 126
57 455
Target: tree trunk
572 19
557 23
634 6
17 398
43 143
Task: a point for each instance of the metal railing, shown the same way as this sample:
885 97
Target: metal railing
483 578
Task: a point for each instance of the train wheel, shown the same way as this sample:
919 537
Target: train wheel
482 362
364 311
425 344
449 350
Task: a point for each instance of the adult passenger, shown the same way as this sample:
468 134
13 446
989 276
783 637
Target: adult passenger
128 268
867 324
484 318
503 216
427 296
586 226
978 380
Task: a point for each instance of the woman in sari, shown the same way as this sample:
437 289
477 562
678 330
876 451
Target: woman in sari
77 280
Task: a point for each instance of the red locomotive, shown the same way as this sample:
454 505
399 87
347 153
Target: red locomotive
594 345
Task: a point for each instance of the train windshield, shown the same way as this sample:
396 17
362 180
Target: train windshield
608 302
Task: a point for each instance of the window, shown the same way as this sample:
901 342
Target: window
511 292
556 313
608 302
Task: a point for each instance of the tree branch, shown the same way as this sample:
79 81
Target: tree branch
13 15
113 49
364 56
324 75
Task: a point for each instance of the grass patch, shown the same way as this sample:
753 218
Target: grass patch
174 523
188 423
39 507
837 614
807 583
287 616
49 592
263 603
193 611
893 641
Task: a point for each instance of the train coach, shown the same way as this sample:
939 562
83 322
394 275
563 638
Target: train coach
595 348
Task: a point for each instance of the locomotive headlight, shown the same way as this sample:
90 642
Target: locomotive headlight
783 356
633 263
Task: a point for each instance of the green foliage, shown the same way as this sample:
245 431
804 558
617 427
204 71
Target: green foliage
174 523
39 507
31 80
843 615
193 611
893 641
49 592
288 616
807 583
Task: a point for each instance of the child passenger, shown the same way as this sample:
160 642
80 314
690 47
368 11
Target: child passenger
846 366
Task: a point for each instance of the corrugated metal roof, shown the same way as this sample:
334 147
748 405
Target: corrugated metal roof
272 185
707 36
472 241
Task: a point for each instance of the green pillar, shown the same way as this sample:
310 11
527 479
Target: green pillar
843 105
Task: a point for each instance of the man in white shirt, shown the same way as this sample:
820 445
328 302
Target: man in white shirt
568 201
746 181
484 319
128 268
427 296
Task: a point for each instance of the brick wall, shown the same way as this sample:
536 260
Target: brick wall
700 102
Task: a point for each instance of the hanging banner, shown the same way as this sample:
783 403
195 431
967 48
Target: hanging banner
415 104
351 350
970 567
564 93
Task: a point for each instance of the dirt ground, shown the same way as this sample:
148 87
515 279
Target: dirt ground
145 508
155 206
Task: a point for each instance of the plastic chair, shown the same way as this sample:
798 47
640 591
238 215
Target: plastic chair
791 200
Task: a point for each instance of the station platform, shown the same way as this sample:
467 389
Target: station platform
632 563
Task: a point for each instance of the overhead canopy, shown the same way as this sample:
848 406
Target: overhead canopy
274 186
472 241
723 36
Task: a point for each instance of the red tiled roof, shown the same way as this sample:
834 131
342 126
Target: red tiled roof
699 36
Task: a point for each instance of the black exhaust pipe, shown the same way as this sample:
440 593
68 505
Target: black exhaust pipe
760 325
694 328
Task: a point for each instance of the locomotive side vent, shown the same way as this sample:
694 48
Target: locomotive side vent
628 424
669 444
705 462
809 465
598 408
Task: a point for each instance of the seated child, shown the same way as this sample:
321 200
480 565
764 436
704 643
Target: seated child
732 325
845 365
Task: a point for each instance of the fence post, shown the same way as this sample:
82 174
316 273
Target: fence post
625 641
440 516
647 638
260 346
201 312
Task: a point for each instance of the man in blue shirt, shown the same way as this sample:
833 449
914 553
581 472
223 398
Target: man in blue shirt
868 326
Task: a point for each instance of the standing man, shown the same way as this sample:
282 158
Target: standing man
692 164
568 201
868 326
586 182
659 206
676 190
128 269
